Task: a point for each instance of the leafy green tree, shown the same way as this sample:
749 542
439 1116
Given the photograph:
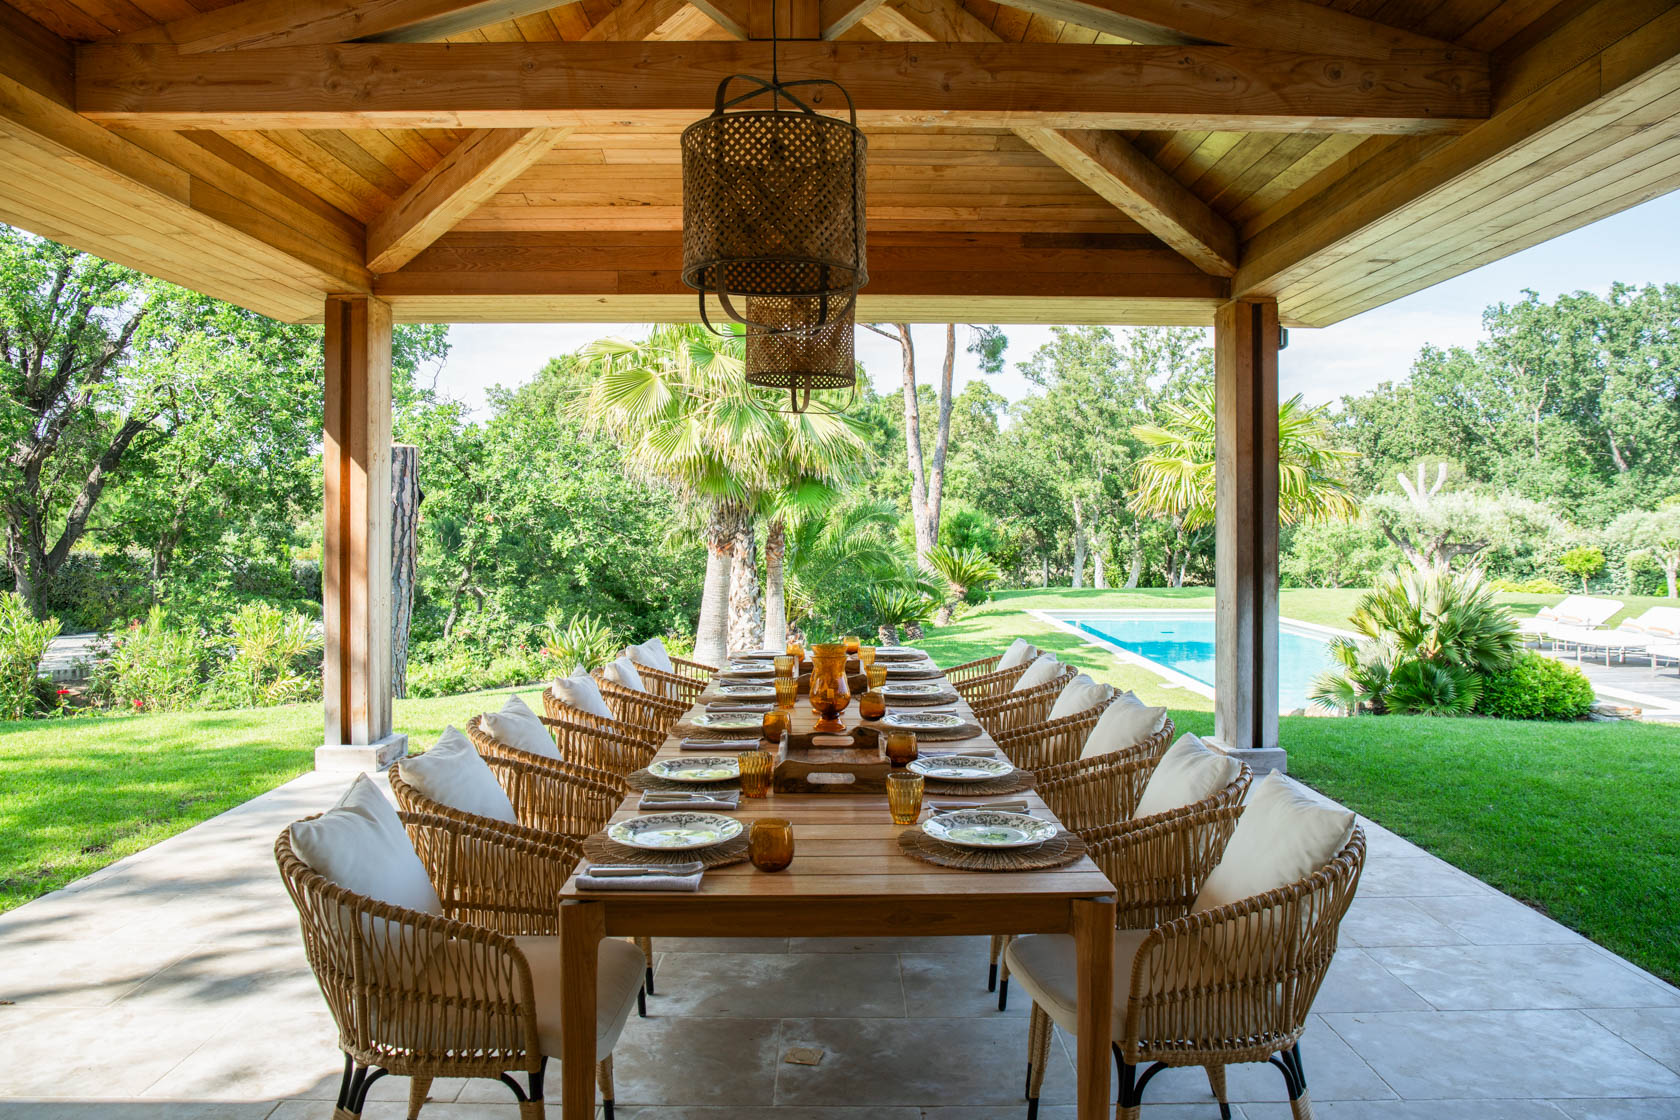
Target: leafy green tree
1583 563
1655 531
1432 525
1334 554
963 570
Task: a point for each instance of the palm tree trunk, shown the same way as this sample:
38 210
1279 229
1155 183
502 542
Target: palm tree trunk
887 635
711 640
746 609
775 586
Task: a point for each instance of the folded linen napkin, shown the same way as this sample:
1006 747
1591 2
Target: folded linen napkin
740 706
653 879
718 744
724 800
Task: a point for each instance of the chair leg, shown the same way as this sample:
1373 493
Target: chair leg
992 965
1216 1082
1038 1056
353 1089
532 1107
418 1087
604 1078
1128 1102
645 944
641 1002
1295 1082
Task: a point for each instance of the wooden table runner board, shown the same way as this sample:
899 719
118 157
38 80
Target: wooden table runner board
849 878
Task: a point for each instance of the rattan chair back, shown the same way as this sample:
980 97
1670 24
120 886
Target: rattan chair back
1015 710
670 686
640 709
549 801
992 685
585 752
1052 741
557 709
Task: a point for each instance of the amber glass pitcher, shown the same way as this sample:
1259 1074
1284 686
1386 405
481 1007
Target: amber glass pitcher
829 691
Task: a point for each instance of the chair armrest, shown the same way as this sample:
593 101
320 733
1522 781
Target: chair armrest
1089 793
555 801
972 670
671 686
606 751
696 669
1050 743
495 874
1159 863
1016 710
988 686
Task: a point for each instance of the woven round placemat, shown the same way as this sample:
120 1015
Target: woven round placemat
922 700
1058 851
964 730
598 848
1018 782
642 780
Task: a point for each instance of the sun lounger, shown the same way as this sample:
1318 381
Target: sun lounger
1577 612
1660 625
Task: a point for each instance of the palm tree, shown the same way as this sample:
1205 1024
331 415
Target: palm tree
837 558
679 403
961 569
1176 478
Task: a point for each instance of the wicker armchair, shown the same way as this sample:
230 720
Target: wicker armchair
557 709
1221 986
987 686
586 752
671 686
970 671
546 800
426 996
1015 710
687 667
1056 741
640 709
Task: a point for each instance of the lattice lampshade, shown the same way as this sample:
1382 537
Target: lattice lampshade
795 350
773 204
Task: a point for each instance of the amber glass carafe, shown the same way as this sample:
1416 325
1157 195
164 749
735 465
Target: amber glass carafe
829 691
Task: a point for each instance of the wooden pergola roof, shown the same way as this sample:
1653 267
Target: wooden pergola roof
1051 160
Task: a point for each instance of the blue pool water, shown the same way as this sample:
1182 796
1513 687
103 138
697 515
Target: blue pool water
1186 644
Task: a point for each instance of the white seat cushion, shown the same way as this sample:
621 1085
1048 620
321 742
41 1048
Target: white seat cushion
1123 724
517 726
581 692
453 774
1283 836
1041 671
652 653
623 673
1046 965
1188 772
1080 694
1018 653
361 845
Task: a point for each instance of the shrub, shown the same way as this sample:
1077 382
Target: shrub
1537 586
23 641
1536 687
153 666
1583 562
272 659
583 640
967 571
461 669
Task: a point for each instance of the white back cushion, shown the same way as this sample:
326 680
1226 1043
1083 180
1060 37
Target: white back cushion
581 692
1282 836
452 774
1017 653
1080 694
1124 723
622 672
360 845
1042 671
652 654
518 726
1188 772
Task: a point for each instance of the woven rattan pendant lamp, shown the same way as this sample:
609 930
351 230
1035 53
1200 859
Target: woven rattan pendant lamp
773 226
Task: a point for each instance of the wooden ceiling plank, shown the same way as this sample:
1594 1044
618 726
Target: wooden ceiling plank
978 84
459 184
272 23
731 15
1291 25
840 16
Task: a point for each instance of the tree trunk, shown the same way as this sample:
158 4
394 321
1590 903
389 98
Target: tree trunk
405 552
1044 571
1078 579
1135 572
461 586
886 635
941 442
1099 568
913 632
746 608
775 585
1672 571
711 631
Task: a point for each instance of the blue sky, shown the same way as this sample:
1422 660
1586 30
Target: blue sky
1638 246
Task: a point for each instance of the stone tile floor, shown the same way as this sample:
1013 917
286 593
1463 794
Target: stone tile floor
172 985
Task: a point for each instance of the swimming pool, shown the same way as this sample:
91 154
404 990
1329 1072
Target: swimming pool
1184 642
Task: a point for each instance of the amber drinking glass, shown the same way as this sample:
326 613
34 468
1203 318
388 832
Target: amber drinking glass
786 665
777 722
901 748
853 644
796 650
866 656
787 691
830 694
770 844
872 704
756 768
904 796
877 675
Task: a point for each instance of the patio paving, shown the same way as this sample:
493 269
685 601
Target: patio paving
172 984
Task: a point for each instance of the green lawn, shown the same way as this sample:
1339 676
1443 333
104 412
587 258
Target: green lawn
77 794
1580 820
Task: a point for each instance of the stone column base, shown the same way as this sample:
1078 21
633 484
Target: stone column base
349 758
1261 760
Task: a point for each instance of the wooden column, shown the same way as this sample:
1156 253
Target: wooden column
1246 527
356 564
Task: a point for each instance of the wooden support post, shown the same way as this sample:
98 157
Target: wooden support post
405 555
356 565
1246 343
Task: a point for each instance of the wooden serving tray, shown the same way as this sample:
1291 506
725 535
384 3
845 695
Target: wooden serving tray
830 762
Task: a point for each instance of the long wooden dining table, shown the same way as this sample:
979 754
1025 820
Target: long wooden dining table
849 878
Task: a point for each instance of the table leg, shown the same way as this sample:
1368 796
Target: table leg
582 926
1093 936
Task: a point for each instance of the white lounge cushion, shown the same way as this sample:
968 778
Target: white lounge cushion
517 726
581 692
1080 694
360 845
453 774
1017 654
1041 671
623 673
1046 965
1123 724
1188 772
1283 836
652 653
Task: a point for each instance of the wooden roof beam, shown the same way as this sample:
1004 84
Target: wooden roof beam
840 16
279 23
1105 161
1291 25
989 85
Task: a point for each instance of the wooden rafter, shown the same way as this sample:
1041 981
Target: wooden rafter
1103 160
963 84
840 16
276 23
1291 25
